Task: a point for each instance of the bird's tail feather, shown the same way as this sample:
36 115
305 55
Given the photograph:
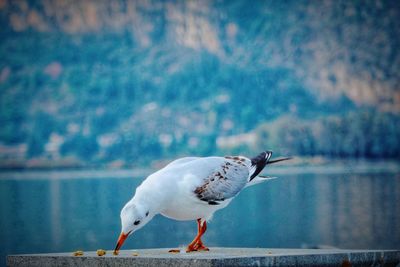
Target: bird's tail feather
277 160
257 165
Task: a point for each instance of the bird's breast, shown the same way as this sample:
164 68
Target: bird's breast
190 212
183 209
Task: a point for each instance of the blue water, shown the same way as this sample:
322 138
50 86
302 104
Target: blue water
40 214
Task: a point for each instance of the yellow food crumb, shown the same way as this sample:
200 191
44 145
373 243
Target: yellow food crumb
174 251
135 254
78 253
269 252
101 252
115 252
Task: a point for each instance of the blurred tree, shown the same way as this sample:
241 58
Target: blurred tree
43 125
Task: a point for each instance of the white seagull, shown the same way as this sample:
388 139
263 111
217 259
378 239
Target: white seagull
191 188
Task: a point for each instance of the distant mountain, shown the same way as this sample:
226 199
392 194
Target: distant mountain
127 82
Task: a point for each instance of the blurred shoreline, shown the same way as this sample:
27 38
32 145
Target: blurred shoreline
298 165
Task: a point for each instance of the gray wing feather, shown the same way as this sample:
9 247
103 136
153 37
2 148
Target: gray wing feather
225 182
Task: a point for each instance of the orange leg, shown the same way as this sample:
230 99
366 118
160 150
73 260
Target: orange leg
197 244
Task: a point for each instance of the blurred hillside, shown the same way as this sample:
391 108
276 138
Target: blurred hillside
123 83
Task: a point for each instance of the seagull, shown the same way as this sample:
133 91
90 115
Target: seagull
191 188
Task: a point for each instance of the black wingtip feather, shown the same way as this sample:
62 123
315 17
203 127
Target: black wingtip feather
260 161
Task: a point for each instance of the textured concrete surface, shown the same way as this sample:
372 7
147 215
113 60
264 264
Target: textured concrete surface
216 257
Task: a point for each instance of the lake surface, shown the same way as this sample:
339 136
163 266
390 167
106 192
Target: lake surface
62 212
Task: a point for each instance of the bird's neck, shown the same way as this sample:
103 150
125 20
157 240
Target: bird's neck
150 196
146 204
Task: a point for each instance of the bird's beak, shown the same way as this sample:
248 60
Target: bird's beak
120 241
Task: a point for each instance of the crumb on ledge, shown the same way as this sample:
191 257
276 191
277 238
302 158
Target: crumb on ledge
101 252
78 253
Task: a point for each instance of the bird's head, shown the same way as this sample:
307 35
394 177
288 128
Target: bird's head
133 217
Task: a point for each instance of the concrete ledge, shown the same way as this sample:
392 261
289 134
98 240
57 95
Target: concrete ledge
216 257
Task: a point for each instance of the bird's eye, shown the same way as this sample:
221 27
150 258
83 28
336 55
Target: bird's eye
136 222
147 214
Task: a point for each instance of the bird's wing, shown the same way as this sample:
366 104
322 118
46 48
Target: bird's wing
224 181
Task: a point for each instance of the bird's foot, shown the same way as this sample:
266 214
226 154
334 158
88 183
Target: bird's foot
203 248
199 246
191 248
